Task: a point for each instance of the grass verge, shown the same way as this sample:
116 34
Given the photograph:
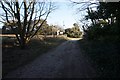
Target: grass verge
105 57
14 57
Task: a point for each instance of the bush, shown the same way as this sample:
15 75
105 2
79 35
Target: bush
103 33
104 56
73 32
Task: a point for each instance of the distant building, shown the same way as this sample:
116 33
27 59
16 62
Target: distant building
61 33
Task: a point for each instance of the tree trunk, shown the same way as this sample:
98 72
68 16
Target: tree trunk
92 21
22 42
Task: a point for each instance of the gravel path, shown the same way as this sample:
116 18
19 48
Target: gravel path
66 61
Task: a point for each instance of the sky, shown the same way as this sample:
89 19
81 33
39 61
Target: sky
67 14
64 15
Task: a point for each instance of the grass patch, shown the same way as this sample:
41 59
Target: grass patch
105 56
14 57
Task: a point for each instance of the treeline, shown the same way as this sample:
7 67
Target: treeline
45 29
105 22
101 39
73 32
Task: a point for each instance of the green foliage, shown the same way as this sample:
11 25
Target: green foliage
49 29
105 22
73 32
102 45
103 33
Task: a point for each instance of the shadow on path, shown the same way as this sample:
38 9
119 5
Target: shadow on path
66 61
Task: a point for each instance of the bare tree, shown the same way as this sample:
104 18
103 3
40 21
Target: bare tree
27 15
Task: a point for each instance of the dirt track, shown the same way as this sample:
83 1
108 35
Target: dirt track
65 61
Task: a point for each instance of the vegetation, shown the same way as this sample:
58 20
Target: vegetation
104 56
25 17
105 22
13 57
100 43
74 32
49 29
